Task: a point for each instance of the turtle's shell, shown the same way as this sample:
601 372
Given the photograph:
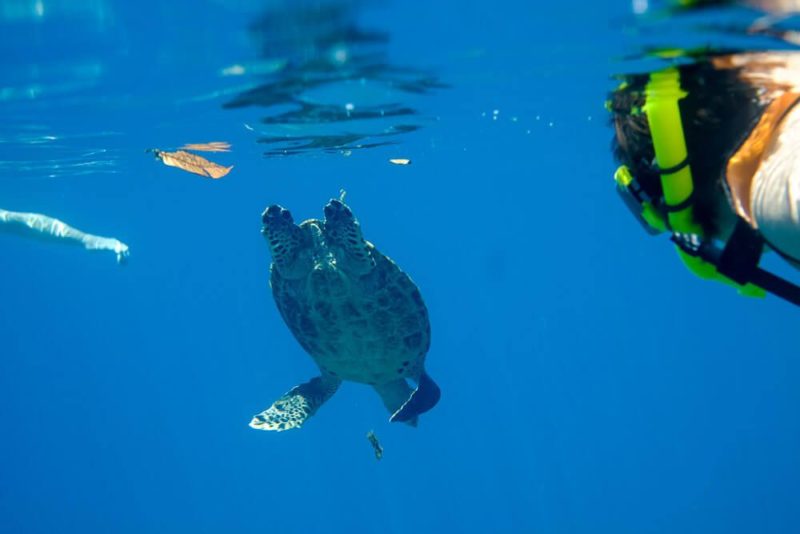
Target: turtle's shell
372 328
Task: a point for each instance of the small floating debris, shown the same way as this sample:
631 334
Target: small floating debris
233 70
253 68
376 445
400 161
192 163
50 227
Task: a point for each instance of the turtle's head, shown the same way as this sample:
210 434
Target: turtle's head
343 237
275 214
289 244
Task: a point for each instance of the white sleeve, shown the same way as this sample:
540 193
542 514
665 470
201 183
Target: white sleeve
51 227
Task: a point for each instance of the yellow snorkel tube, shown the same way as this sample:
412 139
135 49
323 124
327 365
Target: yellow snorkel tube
662 94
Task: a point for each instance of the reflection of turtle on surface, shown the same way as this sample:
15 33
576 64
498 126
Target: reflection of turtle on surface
353 310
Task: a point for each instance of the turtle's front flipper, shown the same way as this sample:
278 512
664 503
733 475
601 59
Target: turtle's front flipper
343 232
288 243
394 394
421 400
297 405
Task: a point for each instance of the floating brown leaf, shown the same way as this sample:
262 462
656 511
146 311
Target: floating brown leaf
192 163
213 146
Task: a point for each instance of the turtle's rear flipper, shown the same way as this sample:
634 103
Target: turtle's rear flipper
394 395
297 405
421 400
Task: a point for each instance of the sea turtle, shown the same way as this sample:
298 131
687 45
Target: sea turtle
352 309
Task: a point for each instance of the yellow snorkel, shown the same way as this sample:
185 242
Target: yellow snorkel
662 95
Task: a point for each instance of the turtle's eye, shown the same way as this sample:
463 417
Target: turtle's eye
286 215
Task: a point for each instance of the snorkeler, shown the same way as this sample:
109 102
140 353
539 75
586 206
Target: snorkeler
710 152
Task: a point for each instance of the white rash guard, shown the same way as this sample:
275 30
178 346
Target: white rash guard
775 189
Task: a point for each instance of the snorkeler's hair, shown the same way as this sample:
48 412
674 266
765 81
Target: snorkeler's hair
717 114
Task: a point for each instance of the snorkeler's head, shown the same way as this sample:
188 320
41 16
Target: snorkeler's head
717 113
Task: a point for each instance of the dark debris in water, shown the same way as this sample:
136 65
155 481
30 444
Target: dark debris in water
376 446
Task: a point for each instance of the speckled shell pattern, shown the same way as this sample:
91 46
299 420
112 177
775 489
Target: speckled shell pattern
371 329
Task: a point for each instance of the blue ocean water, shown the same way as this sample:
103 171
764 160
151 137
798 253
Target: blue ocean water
589 382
